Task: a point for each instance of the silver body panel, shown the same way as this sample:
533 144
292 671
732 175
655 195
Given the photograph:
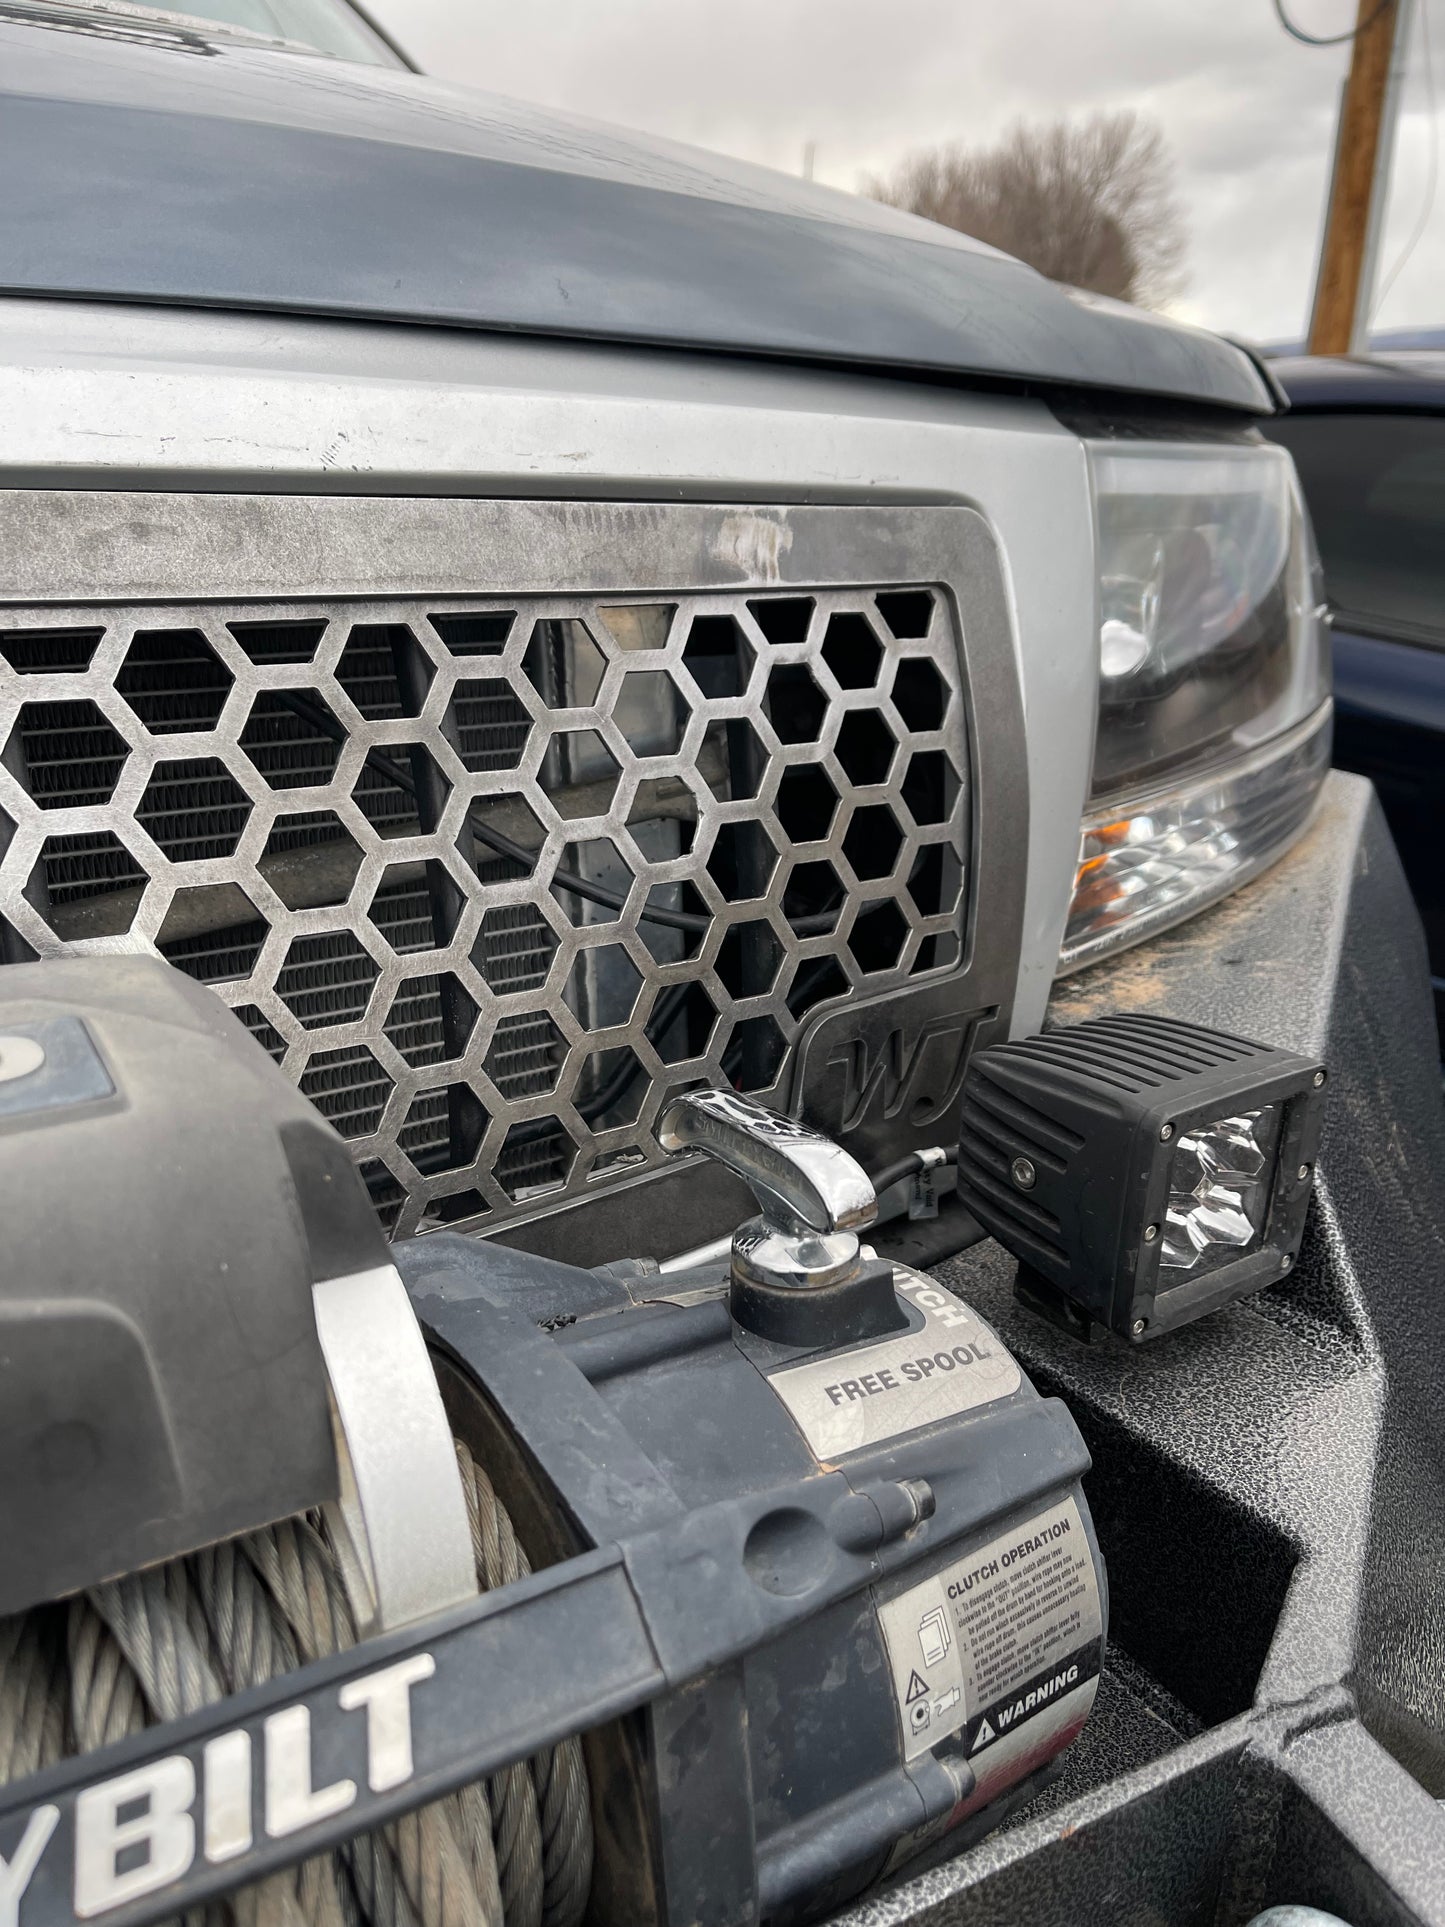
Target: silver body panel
98 396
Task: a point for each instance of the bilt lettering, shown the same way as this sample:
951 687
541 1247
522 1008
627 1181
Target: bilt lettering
143 1830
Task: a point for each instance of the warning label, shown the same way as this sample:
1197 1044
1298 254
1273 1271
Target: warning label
1017 1606
1022 1702
856 1398
1003 1647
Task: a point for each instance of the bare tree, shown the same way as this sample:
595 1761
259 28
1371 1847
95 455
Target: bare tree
1091 202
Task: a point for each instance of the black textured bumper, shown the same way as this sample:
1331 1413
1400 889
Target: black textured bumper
1269 1485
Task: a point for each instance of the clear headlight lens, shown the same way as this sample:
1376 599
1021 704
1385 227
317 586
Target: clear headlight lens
1213 731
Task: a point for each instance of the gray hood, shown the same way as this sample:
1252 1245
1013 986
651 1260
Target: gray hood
181 166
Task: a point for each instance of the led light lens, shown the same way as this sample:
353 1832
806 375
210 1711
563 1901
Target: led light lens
1219 1188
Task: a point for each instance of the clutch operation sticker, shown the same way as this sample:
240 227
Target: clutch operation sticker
857 1398
1003 1648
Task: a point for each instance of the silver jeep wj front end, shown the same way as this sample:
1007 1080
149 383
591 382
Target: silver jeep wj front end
728 743
516 733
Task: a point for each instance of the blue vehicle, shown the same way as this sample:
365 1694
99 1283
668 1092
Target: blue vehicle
1368 438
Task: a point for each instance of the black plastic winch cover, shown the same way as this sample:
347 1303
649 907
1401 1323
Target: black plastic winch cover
161 1383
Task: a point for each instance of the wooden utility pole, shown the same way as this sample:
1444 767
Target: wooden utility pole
1364 141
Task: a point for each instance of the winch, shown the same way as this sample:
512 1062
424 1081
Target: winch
438 1582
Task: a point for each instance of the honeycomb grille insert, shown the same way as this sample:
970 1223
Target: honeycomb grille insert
490 879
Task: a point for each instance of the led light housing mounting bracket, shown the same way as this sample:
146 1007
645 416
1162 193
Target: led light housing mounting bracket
1144 1171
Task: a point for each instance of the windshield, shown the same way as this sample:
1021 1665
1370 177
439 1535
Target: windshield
328 25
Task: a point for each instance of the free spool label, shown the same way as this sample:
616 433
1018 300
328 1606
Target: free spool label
860 1397
1002 1648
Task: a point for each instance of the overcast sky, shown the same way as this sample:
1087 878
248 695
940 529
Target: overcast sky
1248 112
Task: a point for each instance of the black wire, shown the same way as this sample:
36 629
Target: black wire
907 1167
1326 39
816 923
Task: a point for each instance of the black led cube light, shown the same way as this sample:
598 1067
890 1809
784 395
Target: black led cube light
1143 1171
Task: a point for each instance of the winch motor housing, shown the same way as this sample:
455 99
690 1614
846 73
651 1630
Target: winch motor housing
871 1571
818 1587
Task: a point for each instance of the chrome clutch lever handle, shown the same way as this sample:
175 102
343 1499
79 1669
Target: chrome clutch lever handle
815 1198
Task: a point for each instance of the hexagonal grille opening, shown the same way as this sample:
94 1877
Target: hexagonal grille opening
491 877
42 652
194 809
174 680
74 875
71 754
215 935
266 642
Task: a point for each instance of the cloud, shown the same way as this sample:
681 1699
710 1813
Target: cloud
1249 113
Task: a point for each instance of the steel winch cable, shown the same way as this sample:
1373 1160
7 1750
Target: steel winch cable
514 1850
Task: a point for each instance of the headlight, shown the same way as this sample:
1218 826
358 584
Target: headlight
1214 714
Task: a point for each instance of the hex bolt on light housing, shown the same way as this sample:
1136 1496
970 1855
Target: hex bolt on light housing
1143 1171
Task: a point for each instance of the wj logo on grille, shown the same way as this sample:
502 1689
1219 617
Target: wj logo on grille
917 1074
